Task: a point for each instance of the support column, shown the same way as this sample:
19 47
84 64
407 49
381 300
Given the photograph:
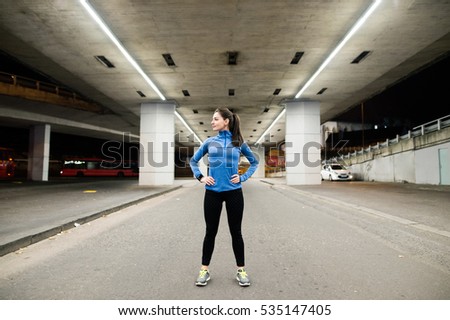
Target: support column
157 144
303 142
39 153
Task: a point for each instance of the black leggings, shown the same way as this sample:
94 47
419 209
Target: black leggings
234 203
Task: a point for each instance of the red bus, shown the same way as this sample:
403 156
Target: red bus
7 164
96 167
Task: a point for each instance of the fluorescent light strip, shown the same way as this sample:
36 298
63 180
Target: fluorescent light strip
122 49
187 126
352 31
271 126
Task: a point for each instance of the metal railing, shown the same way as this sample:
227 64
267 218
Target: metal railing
46 92
421 130
25 82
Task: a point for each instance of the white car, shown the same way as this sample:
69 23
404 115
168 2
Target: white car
334 172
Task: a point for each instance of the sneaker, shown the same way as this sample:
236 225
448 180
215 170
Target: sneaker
242 278
203 278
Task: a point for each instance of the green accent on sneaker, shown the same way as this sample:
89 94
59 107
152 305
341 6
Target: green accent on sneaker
203 278
242 278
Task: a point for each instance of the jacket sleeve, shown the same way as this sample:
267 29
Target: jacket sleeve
247 152
198 155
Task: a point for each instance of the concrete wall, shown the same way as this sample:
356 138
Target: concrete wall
415 160
427 164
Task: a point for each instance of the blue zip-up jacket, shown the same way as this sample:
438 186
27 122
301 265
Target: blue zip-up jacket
223 161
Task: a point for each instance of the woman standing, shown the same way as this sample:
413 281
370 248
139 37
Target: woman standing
223 184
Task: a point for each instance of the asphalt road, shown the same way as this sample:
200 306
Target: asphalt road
299 245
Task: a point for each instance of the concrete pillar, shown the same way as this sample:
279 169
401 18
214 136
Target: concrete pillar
303 142
259 154
157 144
39 153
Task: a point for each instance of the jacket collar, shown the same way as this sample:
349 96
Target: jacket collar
224 133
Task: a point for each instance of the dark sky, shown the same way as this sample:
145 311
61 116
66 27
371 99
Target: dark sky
422 97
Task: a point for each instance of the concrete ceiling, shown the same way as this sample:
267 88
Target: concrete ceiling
60 39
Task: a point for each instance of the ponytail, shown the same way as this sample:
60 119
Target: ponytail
238 140
234 125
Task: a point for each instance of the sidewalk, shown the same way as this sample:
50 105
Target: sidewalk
33 211
424 207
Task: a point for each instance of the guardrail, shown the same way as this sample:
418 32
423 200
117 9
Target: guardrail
16 80
46 92
421 130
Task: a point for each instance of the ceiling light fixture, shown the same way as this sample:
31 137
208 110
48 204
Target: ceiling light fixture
122 49
232 57
187 126
103 60
298 55
168 58
321 91
352 31
361 57
139 92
